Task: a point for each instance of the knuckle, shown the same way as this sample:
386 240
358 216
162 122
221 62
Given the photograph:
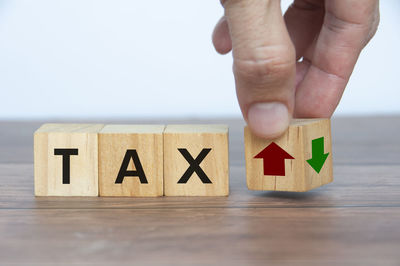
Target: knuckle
374 26
267 66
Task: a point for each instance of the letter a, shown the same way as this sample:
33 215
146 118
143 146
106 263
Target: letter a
123 171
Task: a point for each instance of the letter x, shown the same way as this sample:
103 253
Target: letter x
194 166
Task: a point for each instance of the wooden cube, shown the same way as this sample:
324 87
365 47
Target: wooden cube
196 160
131 160
299 160
65 160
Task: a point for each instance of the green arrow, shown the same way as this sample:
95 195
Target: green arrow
318 156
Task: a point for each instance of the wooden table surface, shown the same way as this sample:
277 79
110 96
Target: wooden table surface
353 221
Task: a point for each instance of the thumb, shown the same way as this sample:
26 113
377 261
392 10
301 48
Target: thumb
263 64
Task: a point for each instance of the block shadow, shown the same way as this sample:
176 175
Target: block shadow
285 195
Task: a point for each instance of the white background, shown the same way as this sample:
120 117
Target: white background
141 59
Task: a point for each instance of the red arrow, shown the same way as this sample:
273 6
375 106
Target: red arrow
273 159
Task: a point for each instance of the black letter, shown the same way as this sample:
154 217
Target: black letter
194 166
139 169
66 153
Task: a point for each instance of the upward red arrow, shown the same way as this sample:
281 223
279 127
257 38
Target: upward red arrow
273 159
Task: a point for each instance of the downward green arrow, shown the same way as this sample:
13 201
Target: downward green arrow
318 156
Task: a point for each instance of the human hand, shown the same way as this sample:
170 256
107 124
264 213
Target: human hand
272 83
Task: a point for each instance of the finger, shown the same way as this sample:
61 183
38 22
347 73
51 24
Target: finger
264 64
303 20
303 66
221 37
347 28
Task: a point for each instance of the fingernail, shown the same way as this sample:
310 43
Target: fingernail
268 120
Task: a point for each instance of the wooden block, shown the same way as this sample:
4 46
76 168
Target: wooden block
196 160
65 160
131 160
284 164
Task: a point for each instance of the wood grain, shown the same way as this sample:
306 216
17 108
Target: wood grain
351 221
194 139
83 180
147 142
299 175
318 236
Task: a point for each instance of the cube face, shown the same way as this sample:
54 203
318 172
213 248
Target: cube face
131 160
313 133
196 160
291 155
293 169
65 160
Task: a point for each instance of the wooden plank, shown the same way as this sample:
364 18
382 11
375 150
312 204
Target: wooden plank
196 160
296 236
141 148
